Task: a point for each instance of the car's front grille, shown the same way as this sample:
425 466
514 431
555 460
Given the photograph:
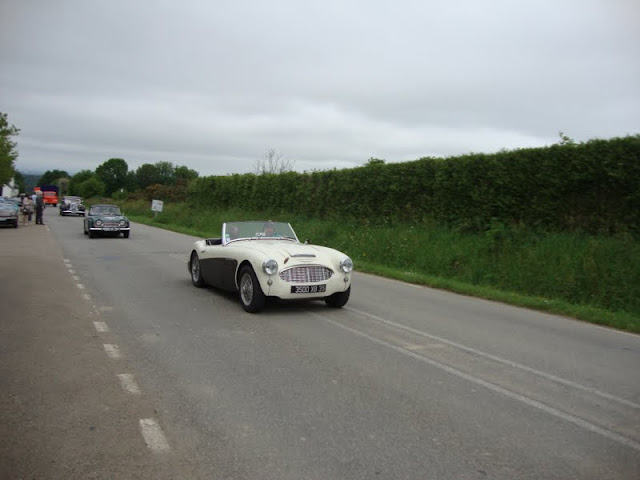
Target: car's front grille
110 224
303 274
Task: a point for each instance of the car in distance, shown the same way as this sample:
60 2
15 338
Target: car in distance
72 205
262 259
106 220
9 212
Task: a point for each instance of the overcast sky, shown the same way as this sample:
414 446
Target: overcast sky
213 85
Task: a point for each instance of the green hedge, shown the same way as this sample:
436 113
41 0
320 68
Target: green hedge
592 187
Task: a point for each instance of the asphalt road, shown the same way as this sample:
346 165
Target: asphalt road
405 382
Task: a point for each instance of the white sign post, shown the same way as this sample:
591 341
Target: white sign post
156 206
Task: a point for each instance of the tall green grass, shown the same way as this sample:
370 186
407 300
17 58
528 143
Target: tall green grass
594 278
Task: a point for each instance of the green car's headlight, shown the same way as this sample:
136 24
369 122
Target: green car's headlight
123 223
270 266
346 265
98 223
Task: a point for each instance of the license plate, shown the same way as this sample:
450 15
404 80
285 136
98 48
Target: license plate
110 229
309 289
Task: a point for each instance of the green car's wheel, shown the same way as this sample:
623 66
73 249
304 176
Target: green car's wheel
126 234
251 295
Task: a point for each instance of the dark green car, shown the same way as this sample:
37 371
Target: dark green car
106 220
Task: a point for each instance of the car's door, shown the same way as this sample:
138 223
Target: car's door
219 267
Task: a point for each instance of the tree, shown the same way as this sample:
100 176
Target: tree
374 161
184 175
565 139
146 175
19 180
8 153
165 173
272 162
131 182
113 174
51 177
91 187
77 180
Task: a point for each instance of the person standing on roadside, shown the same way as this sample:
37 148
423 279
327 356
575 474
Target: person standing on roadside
39 209
27 209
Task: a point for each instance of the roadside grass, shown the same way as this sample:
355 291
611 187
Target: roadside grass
595 279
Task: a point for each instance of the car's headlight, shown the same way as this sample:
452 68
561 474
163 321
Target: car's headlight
123 223
270 266
346 265
98 223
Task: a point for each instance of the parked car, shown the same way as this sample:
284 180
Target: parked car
262 259
9 212
106 220
72 205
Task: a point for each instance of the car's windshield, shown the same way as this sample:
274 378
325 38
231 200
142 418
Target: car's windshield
265 229
105 210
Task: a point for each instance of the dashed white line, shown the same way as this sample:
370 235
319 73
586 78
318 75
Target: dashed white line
101 327
129 383
80 286
153 436
86 296
75 277
112 351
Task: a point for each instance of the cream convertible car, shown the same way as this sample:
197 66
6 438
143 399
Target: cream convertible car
265 259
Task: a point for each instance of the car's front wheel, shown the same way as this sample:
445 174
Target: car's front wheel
92 234
251 294
196 272
125 234
338 299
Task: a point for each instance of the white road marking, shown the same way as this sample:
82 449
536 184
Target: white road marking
86 296
496 388
66 260
101 327
504 361
129 383
80 286
153 436
76 278
71 270
105 309
112 351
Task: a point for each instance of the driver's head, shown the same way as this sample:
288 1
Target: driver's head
268 229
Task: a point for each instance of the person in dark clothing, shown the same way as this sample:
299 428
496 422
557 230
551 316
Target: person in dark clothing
39 209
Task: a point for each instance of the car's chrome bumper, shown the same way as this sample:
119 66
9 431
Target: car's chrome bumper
339 282
110 229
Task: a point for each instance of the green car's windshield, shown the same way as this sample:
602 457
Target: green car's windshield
265 229
105 210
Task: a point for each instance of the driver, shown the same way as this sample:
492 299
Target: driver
268 229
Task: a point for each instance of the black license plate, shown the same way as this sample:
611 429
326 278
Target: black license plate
309 288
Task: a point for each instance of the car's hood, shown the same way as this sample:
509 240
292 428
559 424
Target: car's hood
293 253
108 218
